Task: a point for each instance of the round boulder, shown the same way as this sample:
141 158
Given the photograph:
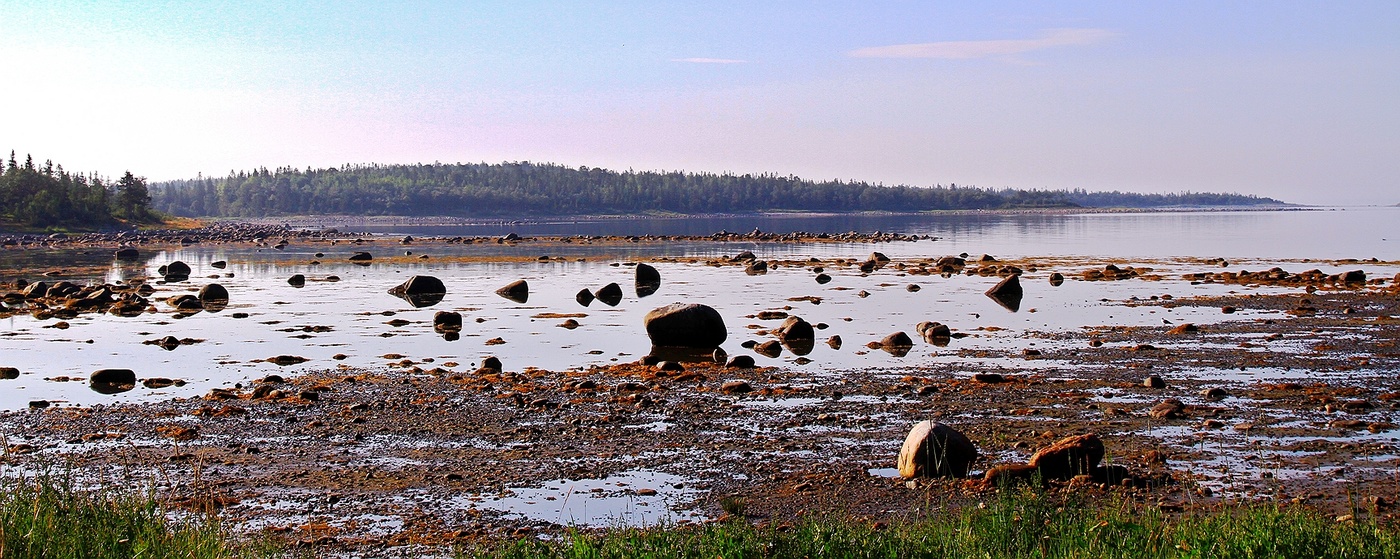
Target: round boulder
685 325
935 450
213 292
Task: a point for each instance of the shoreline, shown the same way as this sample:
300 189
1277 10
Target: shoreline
351 220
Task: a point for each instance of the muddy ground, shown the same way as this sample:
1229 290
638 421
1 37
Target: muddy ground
422 453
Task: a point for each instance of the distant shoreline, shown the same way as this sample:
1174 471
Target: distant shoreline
302 221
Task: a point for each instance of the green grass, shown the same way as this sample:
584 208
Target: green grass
1013 525
44 515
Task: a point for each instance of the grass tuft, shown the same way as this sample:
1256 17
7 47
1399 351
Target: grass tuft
46 515
1015 524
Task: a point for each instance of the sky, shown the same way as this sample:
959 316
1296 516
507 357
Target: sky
1294 100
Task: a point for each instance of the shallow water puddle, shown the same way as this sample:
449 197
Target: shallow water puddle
631 498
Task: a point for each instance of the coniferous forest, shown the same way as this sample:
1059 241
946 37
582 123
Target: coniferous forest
533 189
44 196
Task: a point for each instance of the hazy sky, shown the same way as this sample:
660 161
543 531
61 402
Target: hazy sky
1295 100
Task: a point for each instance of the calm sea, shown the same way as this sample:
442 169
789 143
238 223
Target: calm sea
1362 232
356 317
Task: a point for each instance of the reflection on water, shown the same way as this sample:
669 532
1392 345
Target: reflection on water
343 313
1324 233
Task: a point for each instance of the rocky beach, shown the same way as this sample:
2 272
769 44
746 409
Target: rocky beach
1287 394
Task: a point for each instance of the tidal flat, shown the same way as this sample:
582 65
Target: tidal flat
383 431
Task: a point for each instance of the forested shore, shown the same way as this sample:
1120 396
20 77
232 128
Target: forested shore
533 189
38 196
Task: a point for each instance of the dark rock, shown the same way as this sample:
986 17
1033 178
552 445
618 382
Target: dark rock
492 363
447 321
756 267
584 297
610 294
1154 381
517 291
127 253
176 270
285 360
1168 409
419 285
931 331
1008 474
989 378
897 339
297 280
1008 293
1354 276
648 280
770 348
112 381
935 450
834 342
1214 394
1069 457
9 373
794 328
670 366
1186 328
685 325
361 257
220 264
736 387
1056 279
740 362
213 293
823 279
36 290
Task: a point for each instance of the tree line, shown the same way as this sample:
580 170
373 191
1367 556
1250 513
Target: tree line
44 196
524 189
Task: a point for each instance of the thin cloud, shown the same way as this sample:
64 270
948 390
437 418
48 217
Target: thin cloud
709 60
961 50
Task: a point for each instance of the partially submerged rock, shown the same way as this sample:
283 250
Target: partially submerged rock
685 325
1008 293
517 291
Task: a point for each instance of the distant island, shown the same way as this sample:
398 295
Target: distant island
36 197
524 189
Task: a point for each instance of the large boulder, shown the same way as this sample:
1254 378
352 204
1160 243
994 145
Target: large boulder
213 292
935 450
584 297
1008 293
794 328
1069 457
648 280
176 269
685 325
127 253
518 291
112 381
610 294
361 257
419 285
